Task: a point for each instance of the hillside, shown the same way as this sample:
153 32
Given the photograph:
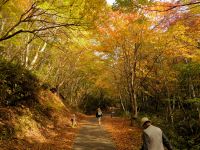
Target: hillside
44 125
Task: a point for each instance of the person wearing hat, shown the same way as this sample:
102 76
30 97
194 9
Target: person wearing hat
153 137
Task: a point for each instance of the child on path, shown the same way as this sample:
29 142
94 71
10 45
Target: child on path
73 120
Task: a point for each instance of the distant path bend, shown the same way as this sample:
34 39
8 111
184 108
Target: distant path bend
93 137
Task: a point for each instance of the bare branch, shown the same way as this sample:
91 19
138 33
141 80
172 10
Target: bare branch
6 35
36 30
32 15
171 7
3 2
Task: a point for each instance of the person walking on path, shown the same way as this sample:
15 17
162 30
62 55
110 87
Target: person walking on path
92 137
99 115
153 137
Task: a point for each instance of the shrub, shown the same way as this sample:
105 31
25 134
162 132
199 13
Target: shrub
16 84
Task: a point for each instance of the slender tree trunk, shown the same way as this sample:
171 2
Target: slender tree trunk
122 104
198 110
135 106
2 25
192 88
133 83
174 102
133 80
26 53
169 104
36 55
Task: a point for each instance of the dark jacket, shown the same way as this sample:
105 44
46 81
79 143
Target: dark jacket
99 114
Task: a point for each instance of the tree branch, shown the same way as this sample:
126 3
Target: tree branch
171 7
35 30
3 2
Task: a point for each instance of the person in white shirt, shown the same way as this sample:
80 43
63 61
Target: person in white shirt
99 115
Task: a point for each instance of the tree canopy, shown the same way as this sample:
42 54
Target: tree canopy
142 55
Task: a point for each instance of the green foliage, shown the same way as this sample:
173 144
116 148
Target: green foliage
6 132
195 101
17 84
46 86
25 123
91 103
123 4
129 5
183 133
190 69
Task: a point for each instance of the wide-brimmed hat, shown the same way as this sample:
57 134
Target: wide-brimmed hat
144 120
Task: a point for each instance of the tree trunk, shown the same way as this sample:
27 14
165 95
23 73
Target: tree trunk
26 52
120 97
135 106
36 55
198 112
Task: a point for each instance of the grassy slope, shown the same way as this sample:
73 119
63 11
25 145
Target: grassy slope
43 125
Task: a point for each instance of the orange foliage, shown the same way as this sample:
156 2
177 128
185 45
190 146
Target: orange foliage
124 136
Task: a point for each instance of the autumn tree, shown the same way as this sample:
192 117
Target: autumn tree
48 38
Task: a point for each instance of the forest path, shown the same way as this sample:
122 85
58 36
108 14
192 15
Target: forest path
93 137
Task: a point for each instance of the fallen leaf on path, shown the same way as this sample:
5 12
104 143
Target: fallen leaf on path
124 136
